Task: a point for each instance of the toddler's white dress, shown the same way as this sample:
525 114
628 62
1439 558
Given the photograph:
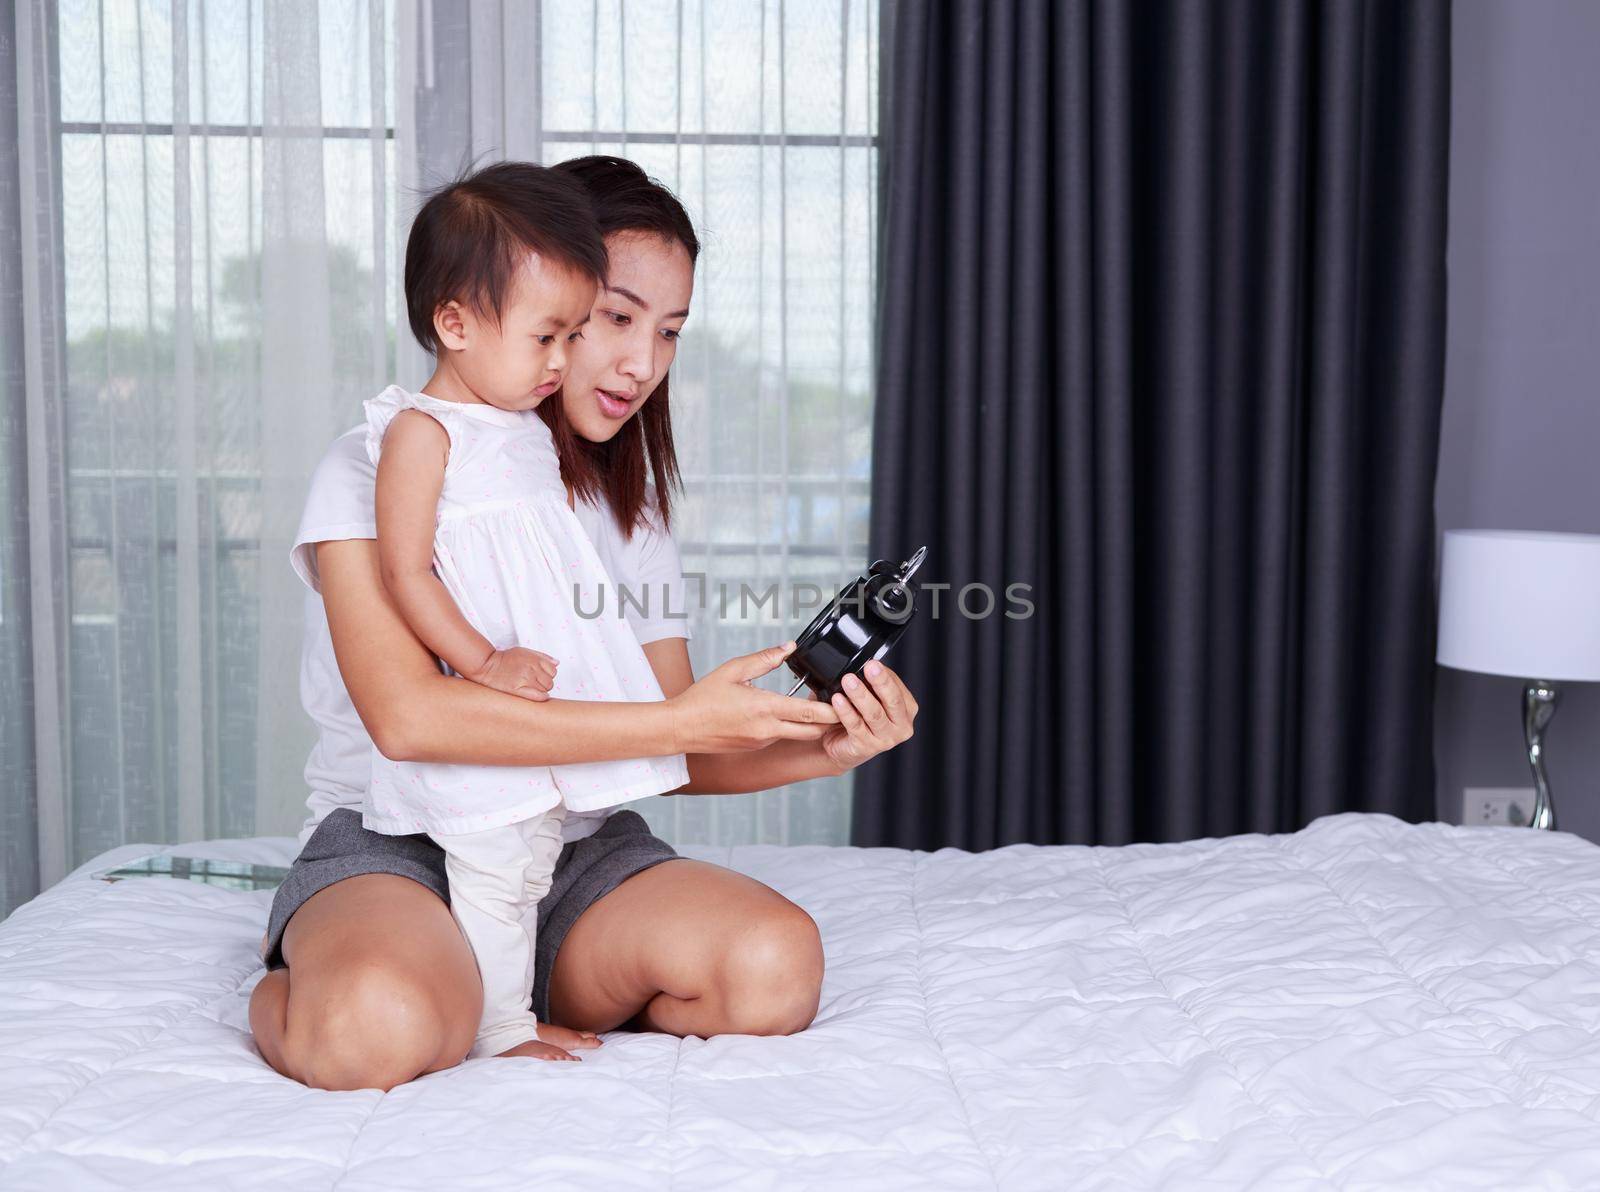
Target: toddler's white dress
516 560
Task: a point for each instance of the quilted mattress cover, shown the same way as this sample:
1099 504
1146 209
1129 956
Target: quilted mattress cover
1361 1004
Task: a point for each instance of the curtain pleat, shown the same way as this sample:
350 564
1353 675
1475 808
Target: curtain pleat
19 827
296 361
189 773
43 433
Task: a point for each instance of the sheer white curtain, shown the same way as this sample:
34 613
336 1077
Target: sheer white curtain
762 116
199 209
195 267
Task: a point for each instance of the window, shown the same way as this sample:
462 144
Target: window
167 117
215 199
763 119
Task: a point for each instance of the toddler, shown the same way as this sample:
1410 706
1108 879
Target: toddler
486 560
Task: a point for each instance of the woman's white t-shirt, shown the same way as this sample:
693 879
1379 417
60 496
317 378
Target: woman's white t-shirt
339 507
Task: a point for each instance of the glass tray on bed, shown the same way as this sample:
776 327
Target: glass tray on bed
232 875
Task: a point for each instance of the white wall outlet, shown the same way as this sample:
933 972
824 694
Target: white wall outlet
1512 805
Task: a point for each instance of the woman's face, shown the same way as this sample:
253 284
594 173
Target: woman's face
632 334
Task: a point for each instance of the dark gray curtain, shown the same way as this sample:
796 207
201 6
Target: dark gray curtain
1162 336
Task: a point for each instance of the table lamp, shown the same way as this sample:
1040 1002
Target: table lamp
1526 604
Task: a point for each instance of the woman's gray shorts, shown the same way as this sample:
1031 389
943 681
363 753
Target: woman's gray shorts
586 871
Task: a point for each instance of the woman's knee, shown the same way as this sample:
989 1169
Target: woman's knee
771 976
377 1025
269 1007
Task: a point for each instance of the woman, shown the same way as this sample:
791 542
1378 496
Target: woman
371 983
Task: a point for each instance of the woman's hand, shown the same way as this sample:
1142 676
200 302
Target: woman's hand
873 716
723 713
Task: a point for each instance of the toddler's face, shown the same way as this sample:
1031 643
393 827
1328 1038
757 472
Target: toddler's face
521 361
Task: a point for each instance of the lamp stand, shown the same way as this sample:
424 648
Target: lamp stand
1539 701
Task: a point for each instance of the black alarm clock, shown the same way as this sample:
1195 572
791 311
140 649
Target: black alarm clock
867 617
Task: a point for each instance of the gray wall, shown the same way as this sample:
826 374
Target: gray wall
1520 445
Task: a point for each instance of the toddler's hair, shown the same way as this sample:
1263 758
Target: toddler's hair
473 234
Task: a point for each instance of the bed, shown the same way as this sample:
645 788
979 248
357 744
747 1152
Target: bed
1361 1004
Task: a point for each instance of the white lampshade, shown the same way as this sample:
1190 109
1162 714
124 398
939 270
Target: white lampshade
1521 603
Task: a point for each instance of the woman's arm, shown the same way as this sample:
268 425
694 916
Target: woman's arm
873 716
416 450
415 713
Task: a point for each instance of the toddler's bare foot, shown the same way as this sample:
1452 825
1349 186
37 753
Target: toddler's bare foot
572 1040
533 1049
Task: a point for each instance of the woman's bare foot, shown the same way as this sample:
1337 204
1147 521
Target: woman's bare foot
563 1036
533 1049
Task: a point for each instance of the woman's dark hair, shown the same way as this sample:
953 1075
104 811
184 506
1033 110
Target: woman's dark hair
626 199
473 234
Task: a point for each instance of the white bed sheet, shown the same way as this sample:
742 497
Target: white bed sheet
1361 1004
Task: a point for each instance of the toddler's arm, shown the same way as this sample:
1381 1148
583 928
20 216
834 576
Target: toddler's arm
410 478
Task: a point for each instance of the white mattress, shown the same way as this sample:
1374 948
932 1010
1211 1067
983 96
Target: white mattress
1361 1004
